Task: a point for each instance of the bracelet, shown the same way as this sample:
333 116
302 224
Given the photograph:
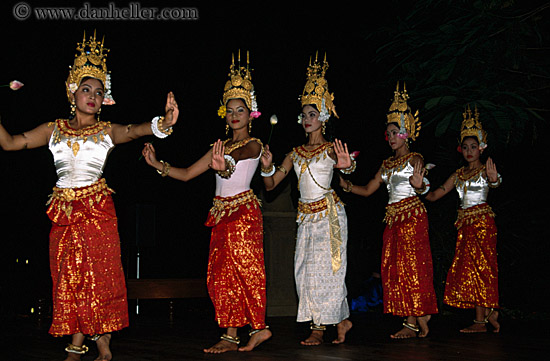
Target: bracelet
282 169
156 127
495 184
269 171
229 167
165 169
351 168
425 187
348 187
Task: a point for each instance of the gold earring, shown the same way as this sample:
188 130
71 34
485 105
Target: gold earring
226 129
73 109
323 128
250 127
98 112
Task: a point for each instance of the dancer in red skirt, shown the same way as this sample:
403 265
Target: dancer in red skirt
407 271
472 281
236 272
89 291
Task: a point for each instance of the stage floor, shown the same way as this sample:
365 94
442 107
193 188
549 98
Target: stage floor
153 336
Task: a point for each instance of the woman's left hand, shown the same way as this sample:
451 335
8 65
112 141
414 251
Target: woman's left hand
343 159
172 111
418 175
491 169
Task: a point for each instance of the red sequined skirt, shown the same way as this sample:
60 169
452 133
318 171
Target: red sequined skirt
89 288
236 272
472 279
407 270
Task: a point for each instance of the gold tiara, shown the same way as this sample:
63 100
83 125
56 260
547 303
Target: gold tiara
91 62
401 113
471 127
316 89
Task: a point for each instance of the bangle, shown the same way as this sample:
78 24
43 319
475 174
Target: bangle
158 131
495 184
229 167
282 169
425 187
348 186
351 168
165 169
268 172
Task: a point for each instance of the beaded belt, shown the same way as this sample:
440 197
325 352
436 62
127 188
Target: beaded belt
75 194
225 206
317 206
398 211
470 214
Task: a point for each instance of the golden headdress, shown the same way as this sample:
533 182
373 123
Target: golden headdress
316 90
239 86
401 113
471 127
91 62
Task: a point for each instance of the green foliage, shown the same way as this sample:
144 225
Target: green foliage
492 54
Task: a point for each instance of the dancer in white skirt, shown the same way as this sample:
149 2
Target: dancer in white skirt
320 259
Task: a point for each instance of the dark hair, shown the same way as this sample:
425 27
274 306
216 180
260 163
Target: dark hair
470 136
91 77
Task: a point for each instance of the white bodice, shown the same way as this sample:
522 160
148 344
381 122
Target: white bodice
239 180
396 176
472 191
314 170
79 156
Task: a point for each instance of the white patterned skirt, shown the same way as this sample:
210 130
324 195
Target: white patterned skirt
320 263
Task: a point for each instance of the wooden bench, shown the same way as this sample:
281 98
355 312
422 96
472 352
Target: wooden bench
167 288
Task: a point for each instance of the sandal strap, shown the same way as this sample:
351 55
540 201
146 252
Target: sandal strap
411 326
236 340
257 330
81 350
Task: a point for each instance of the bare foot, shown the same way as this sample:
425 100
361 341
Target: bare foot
404 333
72 357
423 324
315 339
256 339
221 347
103 347
492 317
475 328
342 328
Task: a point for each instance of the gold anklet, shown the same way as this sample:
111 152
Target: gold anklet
81 350
258 330
411 326
236 340
315 327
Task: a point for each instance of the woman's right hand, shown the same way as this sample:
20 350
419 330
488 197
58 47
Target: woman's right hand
267 157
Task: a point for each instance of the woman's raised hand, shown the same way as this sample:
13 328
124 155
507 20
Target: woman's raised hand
218 160
418 174
491 169
267 157
343 159
172 111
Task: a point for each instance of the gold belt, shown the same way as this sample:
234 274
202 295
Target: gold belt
75 194
403 209
469 215
225 206
317 206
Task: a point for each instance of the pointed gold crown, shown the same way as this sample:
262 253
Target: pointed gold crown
471 127
401 113
91 62
316 89
240 84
